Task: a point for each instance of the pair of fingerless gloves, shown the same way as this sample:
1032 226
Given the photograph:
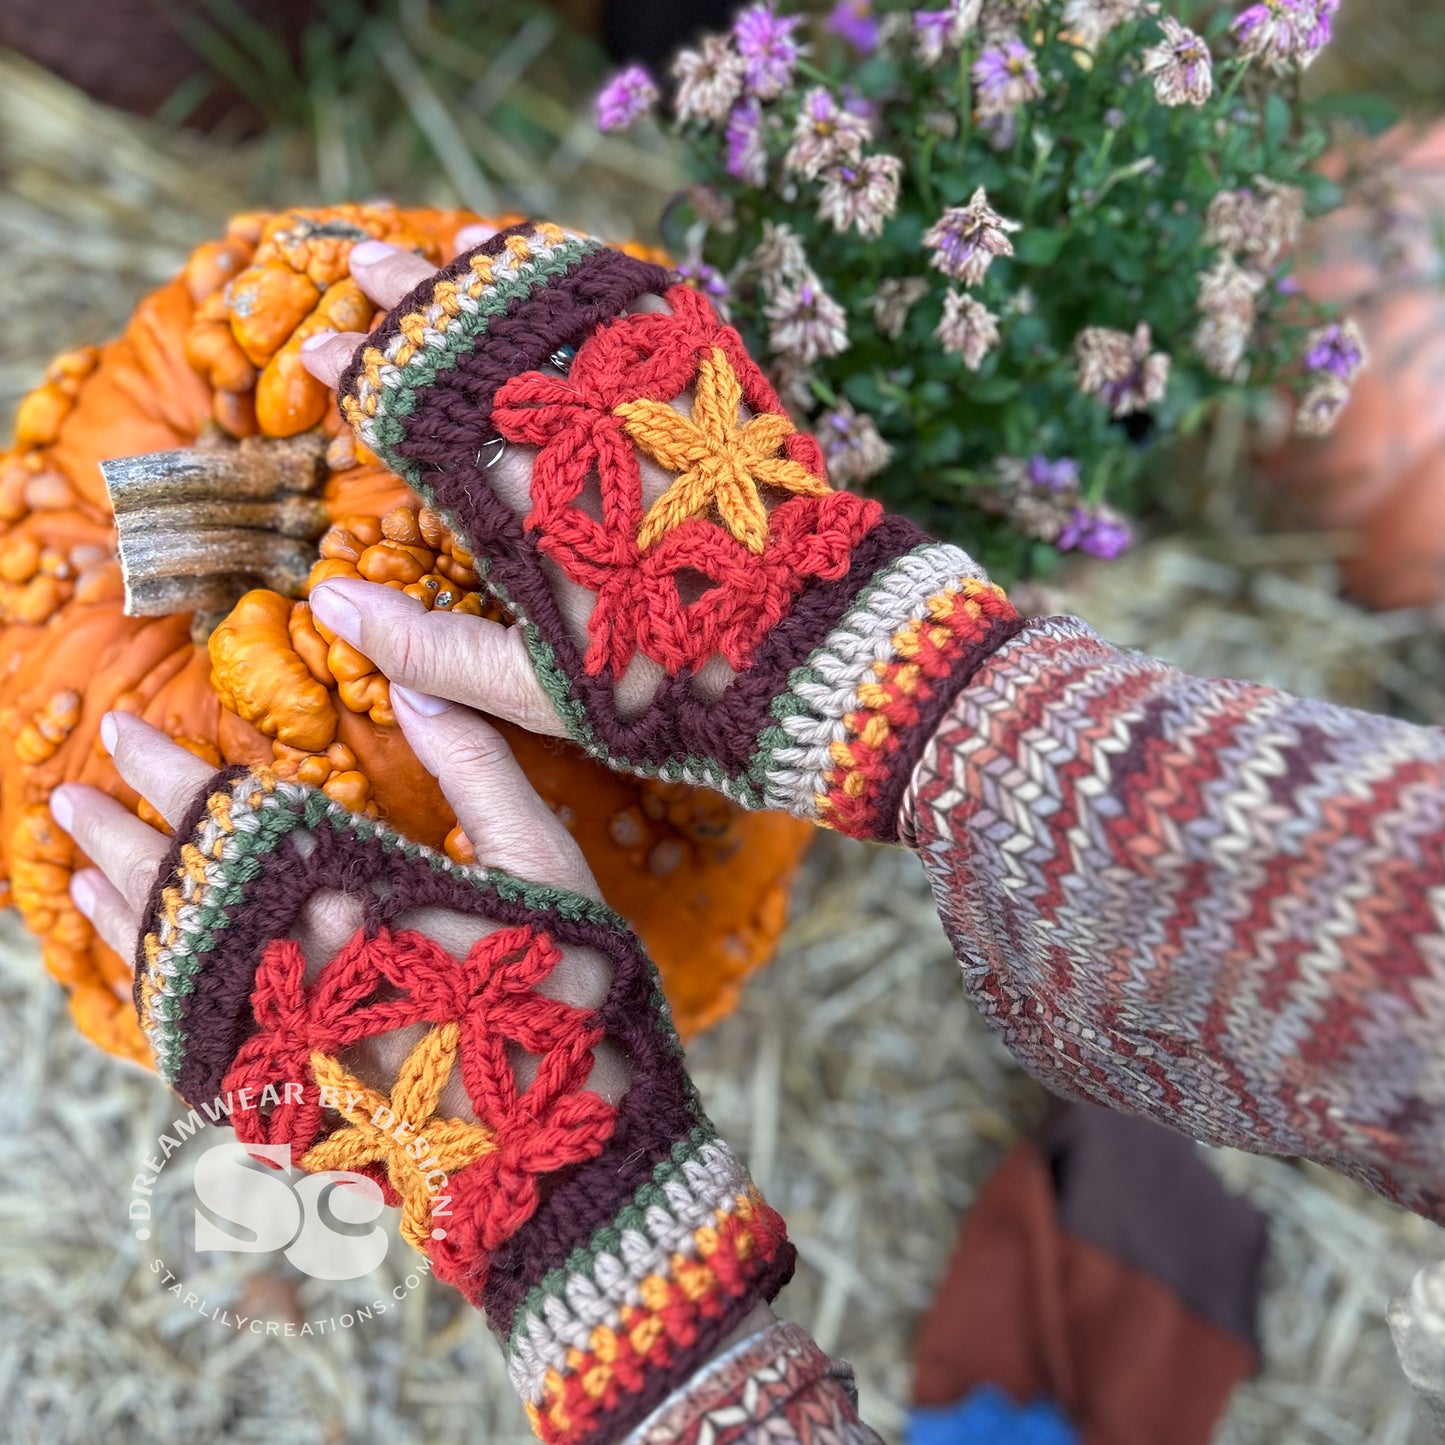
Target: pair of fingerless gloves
612 1247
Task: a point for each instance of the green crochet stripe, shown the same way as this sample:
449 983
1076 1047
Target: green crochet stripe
608 1239
397 399
241 867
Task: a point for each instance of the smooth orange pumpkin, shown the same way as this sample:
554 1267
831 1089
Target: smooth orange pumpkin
211 360
1374 475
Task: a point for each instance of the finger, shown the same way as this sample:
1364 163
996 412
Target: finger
469 237
126 850
387 273
470 660
109 913
167 776
324 925
327 354
509 826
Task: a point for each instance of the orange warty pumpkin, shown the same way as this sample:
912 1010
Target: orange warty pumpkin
240 672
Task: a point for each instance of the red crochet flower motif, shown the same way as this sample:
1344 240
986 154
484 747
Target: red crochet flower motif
398 980
576 425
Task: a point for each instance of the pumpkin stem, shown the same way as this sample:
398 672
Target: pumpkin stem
198 528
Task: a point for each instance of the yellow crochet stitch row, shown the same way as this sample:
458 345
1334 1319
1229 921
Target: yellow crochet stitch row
692 1279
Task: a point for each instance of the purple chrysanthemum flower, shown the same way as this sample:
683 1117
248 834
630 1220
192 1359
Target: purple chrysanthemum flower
1123 371
1315 24
1061 475
1284 32
707 279
1089 22
966 239
807 323
626 98
936 32
1098 531
1321 406
826 134
747 152
1338 349
1181 65
853 447
931 29
1006 78
709 81
765 41
967 329
855 21
865 195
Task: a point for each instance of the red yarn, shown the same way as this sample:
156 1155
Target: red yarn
655 356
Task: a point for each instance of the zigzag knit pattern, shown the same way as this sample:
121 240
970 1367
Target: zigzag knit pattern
844 645
612 1247
1206 902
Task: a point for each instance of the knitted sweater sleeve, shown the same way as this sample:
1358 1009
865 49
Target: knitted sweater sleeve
1206 902
774 1388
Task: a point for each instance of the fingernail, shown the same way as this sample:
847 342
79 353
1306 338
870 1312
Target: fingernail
368 253
109 732
62 808
317 339
338 613
83 893
425 704
475 235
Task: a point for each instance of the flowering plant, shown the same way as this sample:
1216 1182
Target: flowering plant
1000 252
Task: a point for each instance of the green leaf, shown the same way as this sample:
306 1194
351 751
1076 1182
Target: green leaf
1035 247
1132 269
864 392
992 390
1321 194
939 442
1277 116
1043 559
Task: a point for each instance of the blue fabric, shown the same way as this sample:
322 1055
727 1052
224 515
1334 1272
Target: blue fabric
989 1417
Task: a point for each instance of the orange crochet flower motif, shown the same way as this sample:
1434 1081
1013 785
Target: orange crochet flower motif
752 562
721 461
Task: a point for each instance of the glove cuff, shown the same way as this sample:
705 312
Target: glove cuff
597 1343
434 367
856 715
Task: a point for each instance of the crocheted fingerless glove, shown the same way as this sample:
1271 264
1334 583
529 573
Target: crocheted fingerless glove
849 631
612 1247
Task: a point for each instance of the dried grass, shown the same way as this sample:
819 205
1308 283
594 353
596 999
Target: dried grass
867 1095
